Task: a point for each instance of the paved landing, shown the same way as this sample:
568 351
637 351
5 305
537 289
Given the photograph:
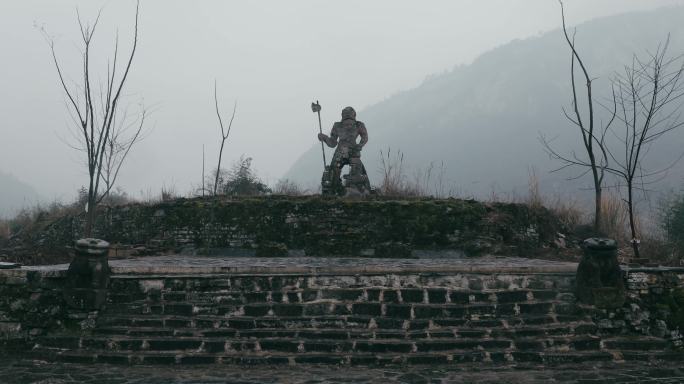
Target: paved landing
179 264
35 372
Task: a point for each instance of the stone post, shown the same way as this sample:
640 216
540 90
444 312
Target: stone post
88 275
599 278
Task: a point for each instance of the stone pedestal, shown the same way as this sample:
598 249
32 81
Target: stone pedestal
88 275
599 279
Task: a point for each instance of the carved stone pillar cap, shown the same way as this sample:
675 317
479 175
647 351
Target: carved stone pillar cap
599 244
92 246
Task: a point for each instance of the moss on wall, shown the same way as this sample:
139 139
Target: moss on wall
320 226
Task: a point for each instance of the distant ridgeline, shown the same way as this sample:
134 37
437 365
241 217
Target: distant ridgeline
489 114
312 226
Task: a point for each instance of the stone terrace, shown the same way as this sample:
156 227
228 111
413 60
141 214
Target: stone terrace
219 310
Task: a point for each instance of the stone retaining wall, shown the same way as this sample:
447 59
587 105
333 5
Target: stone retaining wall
31 305
315 226
654 305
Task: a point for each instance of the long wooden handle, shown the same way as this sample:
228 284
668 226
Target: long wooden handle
320 130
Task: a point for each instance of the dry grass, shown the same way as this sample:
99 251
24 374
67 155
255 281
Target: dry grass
288 187
394 175
614 217
429 181
4 230
534 196
168 193
568 211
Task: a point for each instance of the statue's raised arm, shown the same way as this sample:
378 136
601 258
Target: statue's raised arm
330 141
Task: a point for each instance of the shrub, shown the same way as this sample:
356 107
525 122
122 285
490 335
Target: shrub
241 180
672 222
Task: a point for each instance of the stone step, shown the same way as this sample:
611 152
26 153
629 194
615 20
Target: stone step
400 311
295 344
396 296
585 328
486 357
338 322
379 277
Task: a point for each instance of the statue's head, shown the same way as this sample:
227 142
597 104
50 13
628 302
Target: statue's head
348 113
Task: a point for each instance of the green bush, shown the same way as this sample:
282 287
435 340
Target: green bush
240 180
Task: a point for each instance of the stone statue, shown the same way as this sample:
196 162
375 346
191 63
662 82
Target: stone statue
343 135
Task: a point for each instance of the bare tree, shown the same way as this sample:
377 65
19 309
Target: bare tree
224 136
594 157
122 136
648 95
95 115
204 183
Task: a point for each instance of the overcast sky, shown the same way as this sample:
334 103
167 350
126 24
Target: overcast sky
274 57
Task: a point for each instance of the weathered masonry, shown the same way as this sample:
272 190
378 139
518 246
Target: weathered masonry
171 310
314 226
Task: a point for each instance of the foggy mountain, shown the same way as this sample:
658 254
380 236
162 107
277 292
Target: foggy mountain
483 120
14 195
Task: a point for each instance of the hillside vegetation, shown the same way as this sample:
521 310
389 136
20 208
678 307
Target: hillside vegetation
483 120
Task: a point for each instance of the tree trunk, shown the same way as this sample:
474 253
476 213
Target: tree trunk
632 224
598 192
90 218
598 212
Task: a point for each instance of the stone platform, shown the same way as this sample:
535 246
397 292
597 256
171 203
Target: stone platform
487 312
434 262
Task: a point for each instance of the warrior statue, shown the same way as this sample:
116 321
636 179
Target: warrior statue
343 136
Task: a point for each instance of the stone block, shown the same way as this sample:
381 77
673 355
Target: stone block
398 311
429 311
320 309
389 323
589 344
178 309
257 310
321 359
241 323
373 294
342 294
324 334
330 347
427 359
413 295
437 296
114 359
390 296
384 347
174 345
310 295
459 297
369 309
256 297
535 308
288 310
341 309
280 345
511 296
418 324
528 345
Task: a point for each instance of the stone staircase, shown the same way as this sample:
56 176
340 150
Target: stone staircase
370 318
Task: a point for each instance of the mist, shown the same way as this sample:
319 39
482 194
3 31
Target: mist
273 58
